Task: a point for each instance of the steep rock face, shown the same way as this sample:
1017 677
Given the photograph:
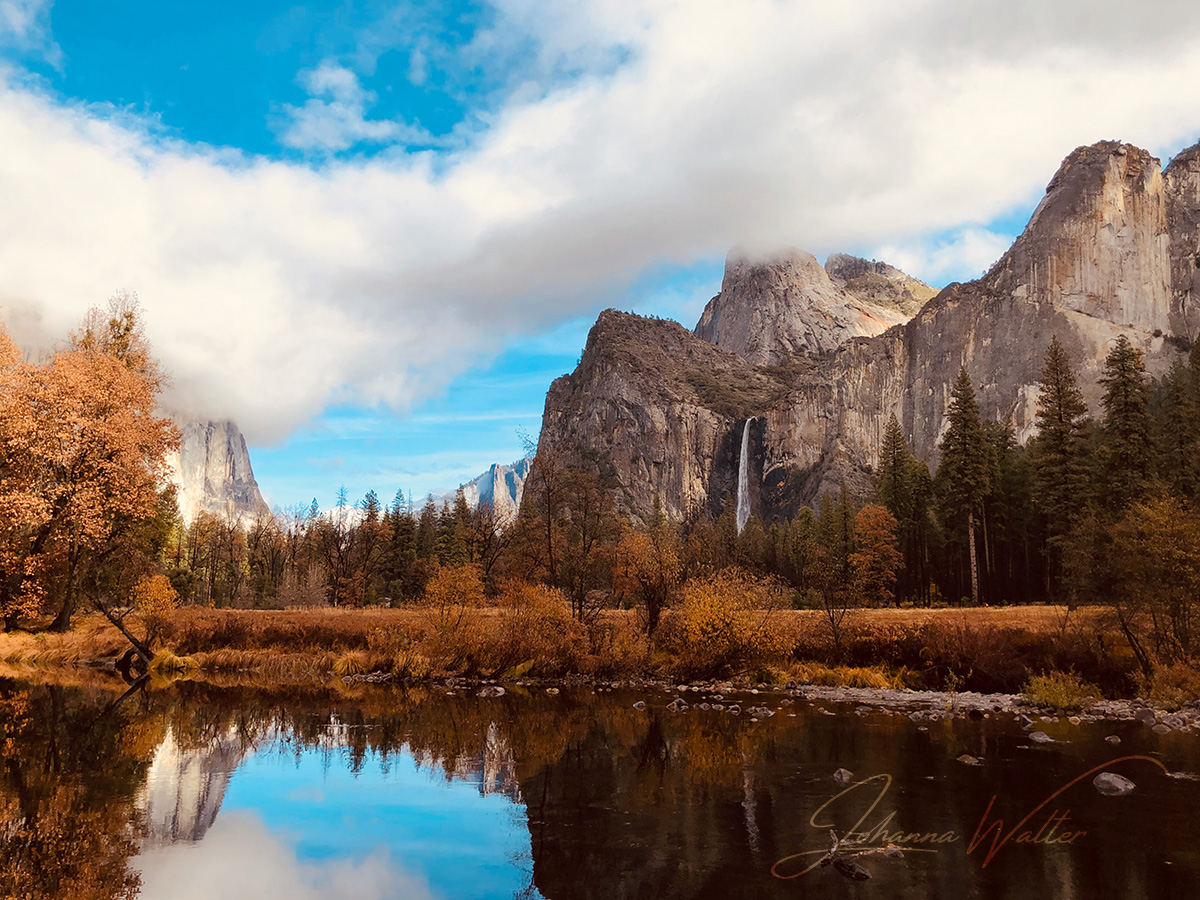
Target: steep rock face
1182 187
771 308
499 489
1110 250
656 409
212 472
1094 262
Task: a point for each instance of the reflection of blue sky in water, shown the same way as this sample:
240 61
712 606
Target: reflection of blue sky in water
308 828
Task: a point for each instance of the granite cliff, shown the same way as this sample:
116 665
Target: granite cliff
774 306
212 473
1111 249
499 489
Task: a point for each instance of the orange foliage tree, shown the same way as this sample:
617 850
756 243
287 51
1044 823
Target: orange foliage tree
648 569
876 557
82 453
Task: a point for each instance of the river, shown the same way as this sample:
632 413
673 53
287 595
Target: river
191 790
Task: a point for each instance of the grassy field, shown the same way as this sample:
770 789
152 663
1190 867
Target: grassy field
963 648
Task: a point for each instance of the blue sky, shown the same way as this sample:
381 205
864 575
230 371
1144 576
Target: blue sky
373 233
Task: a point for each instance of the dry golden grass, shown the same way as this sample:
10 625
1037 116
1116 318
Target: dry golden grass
982 648
1036 619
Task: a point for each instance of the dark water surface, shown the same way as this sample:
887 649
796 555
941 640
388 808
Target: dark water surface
194 791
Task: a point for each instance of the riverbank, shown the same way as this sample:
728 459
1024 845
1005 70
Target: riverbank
987 650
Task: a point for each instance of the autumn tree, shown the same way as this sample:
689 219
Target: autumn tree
832 566
1155 566
876 558
83 459
963 478
648 569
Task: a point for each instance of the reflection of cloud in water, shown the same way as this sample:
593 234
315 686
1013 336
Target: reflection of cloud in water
240 859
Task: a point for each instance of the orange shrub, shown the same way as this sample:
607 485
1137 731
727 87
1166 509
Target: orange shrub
725 625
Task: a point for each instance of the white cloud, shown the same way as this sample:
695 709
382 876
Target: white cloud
25 24
335 116
642 133
967 253
240 859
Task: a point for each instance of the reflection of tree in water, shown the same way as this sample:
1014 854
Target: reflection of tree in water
71 766
618 802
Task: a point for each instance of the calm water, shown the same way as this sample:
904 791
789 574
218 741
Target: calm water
193 791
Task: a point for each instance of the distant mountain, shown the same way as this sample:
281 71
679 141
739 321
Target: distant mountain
212 473
499 489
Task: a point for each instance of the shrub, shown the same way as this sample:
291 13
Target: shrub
724 626
451 599
1171 686
537 631
1062 690
847 676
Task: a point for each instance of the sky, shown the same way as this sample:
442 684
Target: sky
372 233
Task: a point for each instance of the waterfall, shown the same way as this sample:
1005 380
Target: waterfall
743 488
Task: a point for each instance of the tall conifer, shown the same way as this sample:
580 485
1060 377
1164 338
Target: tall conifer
1125 440
1059 451
965 471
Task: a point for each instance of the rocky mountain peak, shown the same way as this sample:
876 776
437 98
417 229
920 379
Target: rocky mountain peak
775 306
1098 243
212 474
872 281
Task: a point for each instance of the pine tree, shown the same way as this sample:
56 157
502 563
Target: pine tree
1125 439
965 470
903 487
892 487
1177 433
1059 451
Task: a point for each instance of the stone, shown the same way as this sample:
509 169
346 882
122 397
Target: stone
1112 785
1113 739
968 760
677 705
1145 715
1161 728
843 776
1040 737
551 691
492 690
640 705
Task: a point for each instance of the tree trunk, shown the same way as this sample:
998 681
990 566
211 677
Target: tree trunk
974 561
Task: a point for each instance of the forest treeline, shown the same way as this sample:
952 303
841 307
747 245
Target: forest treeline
1088 510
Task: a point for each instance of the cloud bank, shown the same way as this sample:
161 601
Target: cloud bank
623 135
